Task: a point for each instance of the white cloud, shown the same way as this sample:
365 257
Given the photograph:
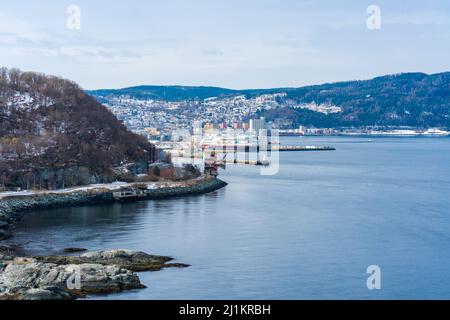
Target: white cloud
235 44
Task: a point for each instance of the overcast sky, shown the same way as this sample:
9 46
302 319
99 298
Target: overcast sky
230 43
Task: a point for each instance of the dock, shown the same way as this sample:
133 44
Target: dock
256 148
248 150
263 163
302 148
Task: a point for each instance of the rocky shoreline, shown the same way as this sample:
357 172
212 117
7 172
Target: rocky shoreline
13 207
72 277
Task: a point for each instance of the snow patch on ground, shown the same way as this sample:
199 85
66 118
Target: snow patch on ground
25 101
325 108
108 186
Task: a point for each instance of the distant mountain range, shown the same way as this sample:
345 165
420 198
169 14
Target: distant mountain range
168 93
408 99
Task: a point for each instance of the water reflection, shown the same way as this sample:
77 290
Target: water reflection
308 232
93 227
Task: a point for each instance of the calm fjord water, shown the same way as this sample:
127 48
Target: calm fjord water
309 232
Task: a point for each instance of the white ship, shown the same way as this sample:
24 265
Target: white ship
436 133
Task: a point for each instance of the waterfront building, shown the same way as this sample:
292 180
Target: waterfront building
208 128
301 130
258 124
198 127
180 135
152 131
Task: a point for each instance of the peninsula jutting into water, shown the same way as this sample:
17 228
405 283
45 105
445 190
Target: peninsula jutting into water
295 230
108 271
54 136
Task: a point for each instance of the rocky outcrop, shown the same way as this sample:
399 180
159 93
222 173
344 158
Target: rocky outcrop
134 261
67 278
25 278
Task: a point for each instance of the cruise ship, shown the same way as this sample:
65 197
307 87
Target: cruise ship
436 133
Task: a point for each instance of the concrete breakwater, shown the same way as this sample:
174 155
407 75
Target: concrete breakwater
13 207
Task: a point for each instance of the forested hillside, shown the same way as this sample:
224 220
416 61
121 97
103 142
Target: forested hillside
409 99
54 135
413 99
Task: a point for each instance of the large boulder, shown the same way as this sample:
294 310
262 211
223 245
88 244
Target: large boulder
131 260
38 294
28 279
71 277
